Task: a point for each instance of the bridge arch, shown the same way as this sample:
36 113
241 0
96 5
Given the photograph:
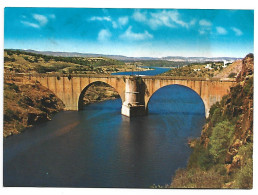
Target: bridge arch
83 92
179 85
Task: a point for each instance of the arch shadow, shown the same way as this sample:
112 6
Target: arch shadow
80 101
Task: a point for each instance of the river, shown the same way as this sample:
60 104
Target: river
98 147
153 71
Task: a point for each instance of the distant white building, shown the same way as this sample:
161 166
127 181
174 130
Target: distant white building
227 62
208 66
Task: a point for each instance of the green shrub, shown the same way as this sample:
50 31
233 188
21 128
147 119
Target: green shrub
221 138
213 108
216 116
244 177
246 151
200 158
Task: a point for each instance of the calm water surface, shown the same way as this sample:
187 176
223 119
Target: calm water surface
97 147
152 72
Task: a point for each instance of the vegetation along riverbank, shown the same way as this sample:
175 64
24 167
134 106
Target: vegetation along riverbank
222 156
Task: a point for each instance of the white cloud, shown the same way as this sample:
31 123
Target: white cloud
39 20
104 35
205 26
221 30
160 19
30 24
123 20
42 20
97 18
105 18
129 34
171 19
205 22
139 16
174 16
237 31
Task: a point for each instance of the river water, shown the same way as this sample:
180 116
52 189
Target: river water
98 147
152 72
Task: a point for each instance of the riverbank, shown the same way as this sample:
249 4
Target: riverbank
222 156
27 104
99 92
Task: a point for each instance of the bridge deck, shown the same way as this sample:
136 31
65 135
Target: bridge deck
127 76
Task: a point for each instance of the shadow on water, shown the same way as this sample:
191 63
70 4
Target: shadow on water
98 147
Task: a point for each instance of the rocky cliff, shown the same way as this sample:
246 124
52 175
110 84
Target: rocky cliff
222 156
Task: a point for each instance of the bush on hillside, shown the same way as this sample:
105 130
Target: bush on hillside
221 138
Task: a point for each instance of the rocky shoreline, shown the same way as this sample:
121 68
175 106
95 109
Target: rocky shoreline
27 104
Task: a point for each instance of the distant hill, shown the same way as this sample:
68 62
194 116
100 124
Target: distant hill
125 58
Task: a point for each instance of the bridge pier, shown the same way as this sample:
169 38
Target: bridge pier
134 104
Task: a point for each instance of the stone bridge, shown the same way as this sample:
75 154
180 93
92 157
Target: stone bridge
134 91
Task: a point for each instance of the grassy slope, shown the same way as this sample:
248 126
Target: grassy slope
222 157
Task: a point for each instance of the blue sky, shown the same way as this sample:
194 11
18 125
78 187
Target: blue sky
131 32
